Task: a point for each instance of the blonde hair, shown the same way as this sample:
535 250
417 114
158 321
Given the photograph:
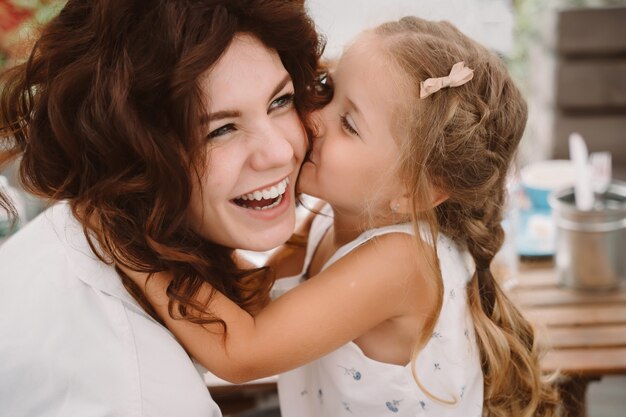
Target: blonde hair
462 141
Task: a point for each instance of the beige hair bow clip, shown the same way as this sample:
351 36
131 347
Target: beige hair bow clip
459 75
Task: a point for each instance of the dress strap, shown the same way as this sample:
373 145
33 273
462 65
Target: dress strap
406 228
320 225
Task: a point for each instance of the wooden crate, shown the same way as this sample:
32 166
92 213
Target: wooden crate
592 86
591 82
592 32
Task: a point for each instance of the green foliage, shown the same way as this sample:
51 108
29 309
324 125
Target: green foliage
530 15
42 12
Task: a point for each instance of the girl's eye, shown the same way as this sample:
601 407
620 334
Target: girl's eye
347 125
221 131
282 101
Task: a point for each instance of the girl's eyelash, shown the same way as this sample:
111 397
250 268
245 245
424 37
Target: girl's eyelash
347 126
220 131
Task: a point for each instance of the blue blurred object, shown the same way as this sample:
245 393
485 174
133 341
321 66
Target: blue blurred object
536 233
538 196
539 179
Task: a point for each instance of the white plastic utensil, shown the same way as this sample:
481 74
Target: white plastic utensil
580 156
600 163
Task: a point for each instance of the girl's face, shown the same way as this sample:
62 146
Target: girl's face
255 145
353 157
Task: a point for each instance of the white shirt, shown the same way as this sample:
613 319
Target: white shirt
346 382
73 342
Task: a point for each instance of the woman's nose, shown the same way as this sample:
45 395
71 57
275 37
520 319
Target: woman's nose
275 148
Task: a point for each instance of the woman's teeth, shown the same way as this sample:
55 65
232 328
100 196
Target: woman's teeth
267 193
274 204
263 199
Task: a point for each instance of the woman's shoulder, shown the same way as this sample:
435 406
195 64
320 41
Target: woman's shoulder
39 238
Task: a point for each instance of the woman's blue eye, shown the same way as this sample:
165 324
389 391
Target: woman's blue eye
346 125
282 101
221 131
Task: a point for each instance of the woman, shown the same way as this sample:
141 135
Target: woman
169 133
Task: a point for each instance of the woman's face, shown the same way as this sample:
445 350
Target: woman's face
255 145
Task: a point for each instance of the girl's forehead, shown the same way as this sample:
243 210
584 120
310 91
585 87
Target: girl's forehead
366 80
366 56
358 57
365 46
367 67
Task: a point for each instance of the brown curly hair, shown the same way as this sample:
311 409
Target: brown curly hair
462 142
106 112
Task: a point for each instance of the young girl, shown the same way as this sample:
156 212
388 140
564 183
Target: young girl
397 307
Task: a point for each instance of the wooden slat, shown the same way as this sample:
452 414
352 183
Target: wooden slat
592 32
586 362
598 85
578 315
564 297
537 279
602 133
584 332
585 337
530 265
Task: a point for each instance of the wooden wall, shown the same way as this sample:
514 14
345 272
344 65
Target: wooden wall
591 82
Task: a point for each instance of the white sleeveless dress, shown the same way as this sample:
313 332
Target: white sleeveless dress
346 382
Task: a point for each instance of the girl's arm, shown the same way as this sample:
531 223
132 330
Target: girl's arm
380 280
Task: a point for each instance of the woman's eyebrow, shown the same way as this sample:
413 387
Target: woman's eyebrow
227 114
223 114
286 79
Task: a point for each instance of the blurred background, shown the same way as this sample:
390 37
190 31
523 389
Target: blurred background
546 44
567 56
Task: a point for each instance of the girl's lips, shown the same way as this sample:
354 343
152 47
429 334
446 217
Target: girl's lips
311 158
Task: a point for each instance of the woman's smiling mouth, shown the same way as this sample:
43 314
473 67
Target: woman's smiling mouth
265 198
